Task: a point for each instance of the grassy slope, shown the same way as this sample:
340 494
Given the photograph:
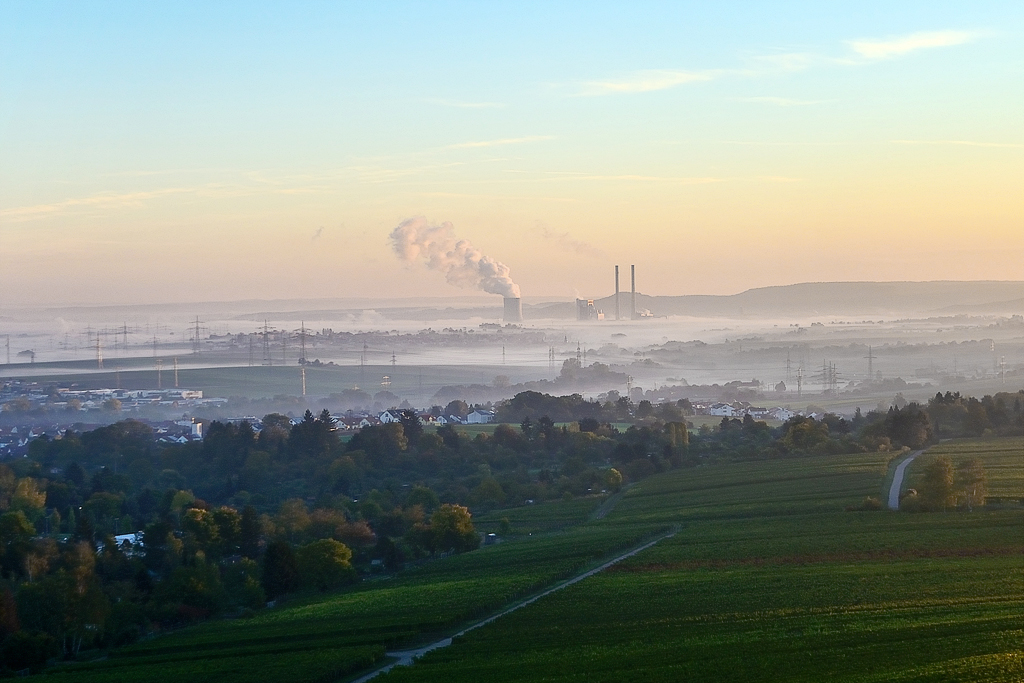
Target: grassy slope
327 637
767 579
770 580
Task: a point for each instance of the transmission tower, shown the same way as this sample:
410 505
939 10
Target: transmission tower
124 344
394 362
303 368
788 366
159 374
250 350
799 382
266 344
302 344
362 363
99 351
871 372
385 382
195 339
175 372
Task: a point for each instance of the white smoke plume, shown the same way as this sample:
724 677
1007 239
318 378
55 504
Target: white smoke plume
463 264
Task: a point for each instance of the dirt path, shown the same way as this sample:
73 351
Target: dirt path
407 657
608 505
897 480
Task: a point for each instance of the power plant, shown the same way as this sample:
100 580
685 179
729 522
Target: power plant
632 298
617 293
513 309
587 310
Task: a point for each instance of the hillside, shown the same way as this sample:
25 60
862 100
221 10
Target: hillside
824 299
768 577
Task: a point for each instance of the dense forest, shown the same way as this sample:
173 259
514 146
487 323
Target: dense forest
248 516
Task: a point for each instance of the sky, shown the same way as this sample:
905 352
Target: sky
164 152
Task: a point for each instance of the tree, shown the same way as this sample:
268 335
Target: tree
249 533
229 529
451 528
613 478
422 496
936 490
457 408
293 517
325 564
909 426
412 425
28 498
971 482
678 435
280 569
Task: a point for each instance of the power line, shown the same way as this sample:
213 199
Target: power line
267 360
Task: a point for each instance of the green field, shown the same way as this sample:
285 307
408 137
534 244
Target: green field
324 638
1003 460
767 578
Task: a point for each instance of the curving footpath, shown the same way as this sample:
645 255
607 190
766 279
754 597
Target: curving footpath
897 480
407 657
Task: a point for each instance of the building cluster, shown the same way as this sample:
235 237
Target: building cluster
15 440
741 409
33 395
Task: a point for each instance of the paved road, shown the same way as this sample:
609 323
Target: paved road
407 657
897 480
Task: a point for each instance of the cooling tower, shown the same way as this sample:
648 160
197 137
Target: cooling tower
513 310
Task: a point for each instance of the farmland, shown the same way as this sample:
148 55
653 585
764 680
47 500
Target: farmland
768 577
323 638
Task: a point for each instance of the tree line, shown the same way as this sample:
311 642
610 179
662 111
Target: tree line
244 516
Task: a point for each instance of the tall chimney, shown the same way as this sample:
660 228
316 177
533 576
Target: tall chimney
632 281
513 310
616 292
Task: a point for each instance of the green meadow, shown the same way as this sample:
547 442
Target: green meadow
767 578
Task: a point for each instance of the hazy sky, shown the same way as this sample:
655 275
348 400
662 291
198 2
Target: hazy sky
154 152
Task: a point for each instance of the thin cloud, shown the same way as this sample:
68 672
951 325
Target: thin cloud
685 180
645 81
967 143
466 105
782 101
789 61
106 200
501 142
896 47
568 242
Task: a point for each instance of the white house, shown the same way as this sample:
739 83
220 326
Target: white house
480 417
389 416
781 414
722 410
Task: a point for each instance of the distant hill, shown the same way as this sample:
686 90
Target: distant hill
824 298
